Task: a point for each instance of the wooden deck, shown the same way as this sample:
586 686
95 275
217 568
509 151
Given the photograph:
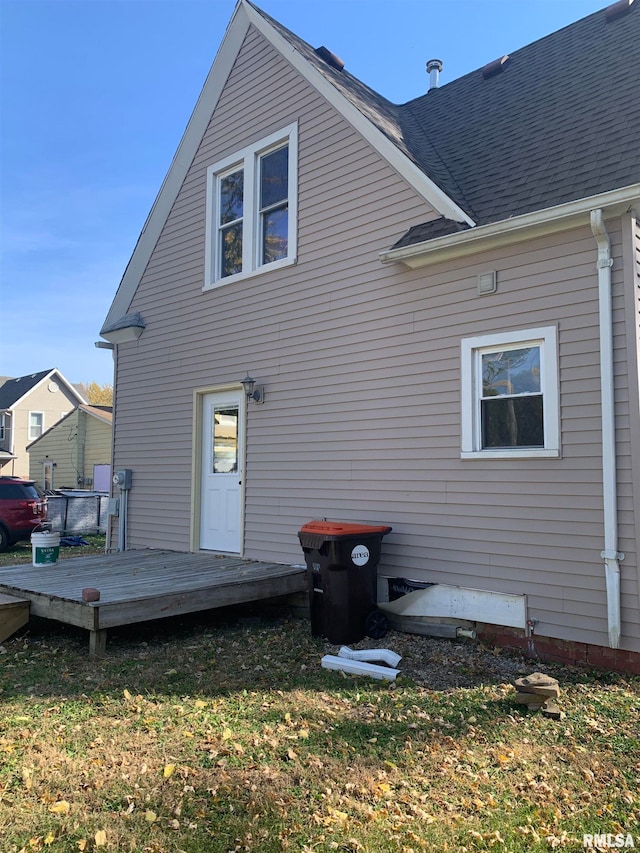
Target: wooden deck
137 586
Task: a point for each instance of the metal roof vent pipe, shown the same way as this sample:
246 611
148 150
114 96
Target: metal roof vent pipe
434 67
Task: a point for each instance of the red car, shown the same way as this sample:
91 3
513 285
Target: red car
22 510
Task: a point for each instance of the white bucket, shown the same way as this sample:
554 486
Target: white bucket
46 548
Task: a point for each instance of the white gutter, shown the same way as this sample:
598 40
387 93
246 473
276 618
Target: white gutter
483 237
610 555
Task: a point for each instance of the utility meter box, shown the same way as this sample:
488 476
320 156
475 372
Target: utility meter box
123 478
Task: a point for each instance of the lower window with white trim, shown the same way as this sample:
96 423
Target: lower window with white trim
510 405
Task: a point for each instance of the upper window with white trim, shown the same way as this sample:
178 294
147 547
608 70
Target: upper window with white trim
36 425
510 404
252 209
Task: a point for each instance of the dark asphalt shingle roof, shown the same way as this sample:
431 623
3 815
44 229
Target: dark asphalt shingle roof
560 122
13 389
440 227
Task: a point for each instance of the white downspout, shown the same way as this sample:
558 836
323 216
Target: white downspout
114 356
359 667
369 655
610 555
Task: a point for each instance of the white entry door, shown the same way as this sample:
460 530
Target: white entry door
220 497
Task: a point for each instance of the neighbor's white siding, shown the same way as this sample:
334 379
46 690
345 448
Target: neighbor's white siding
361 368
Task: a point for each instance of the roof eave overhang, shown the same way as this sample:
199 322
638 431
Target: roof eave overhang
44 379
420 182
196 127
123 335
507 231
93 413
243 16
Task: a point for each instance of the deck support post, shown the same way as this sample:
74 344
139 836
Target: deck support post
98 643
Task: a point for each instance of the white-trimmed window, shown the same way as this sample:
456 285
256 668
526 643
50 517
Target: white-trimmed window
252 209
510 405
36 425
3 427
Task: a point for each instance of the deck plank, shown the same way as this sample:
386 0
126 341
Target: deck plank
137 586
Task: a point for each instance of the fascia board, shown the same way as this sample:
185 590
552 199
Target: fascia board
17 403
196 127
243 16
417 179
123 335
98 416
509 231
47 378
70 387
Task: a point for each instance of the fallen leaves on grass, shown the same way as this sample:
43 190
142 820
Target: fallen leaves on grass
303 759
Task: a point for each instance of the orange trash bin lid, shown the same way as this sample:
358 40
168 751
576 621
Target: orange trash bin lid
330 529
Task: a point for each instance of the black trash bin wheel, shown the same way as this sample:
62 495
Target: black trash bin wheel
376 624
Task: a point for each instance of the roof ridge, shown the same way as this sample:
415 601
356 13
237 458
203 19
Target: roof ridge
385 116
512 54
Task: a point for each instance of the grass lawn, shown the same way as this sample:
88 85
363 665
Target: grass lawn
221 732
21 552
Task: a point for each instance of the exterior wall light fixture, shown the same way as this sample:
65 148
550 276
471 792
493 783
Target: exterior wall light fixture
253 393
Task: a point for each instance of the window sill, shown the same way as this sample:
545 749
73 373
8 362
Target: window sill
517 453
241 276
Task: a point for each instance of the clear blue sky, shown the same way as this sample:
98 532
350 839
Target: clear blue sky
95 96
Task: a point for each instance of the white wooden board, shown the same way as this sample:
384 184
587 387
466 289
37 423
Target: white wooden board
457 602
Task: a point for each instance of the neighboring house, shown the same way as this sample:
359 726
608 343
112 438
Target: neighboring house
30 405
440 301
75 453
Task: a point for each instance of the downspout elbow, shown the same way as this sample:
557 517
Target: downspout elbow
599 231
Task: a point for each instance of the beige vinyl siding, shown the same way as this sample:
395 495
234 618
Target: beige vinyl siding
361 367
54 405
626 366
631 473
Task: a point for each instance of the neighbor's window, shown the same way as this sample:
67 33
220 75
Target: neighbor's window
3 427
510 395
36 423
251 209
